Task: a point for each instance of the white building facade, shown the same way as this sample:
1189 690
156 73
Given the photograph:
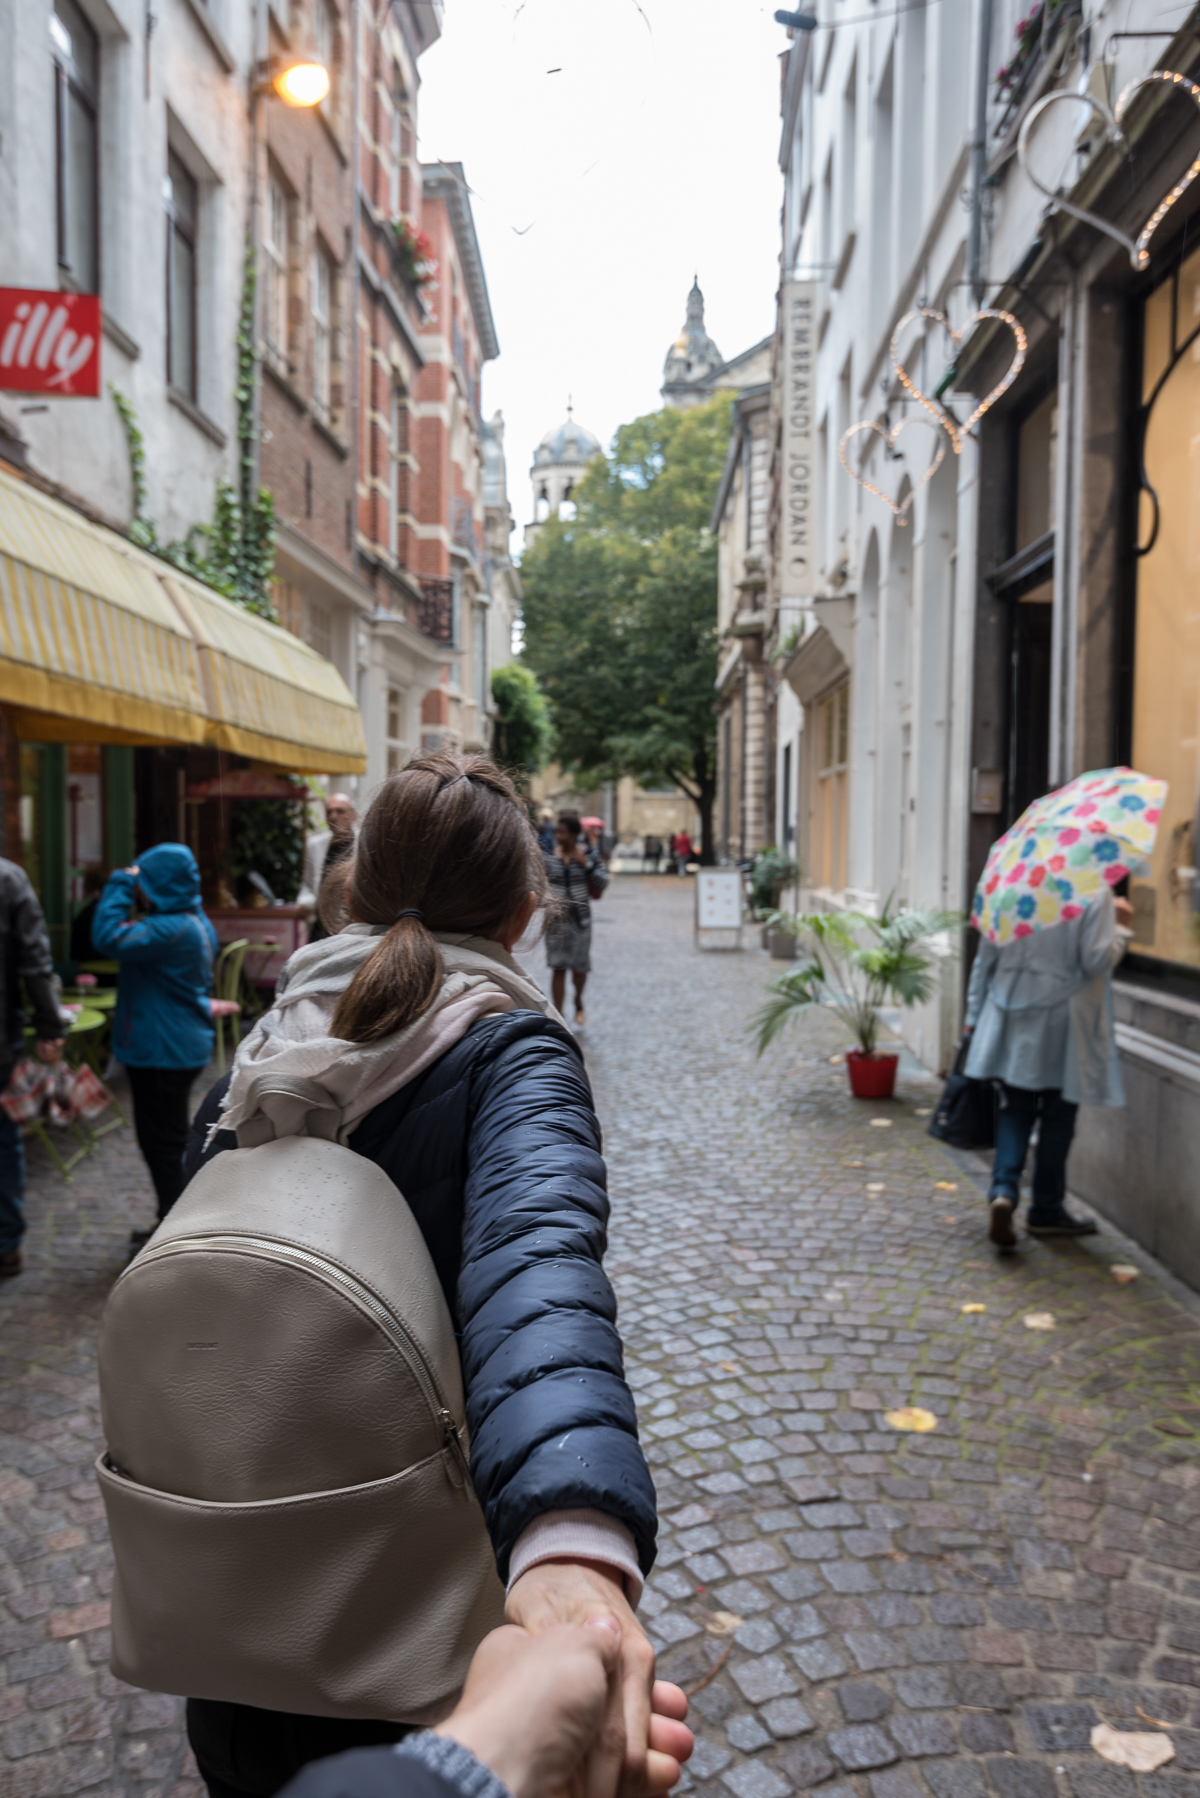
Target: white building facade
997 508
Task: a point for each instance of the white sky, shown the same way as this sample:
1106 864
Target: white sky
600 190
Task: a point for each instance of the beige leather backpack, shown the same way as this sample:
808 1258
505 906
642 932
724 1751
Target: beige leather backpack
286 1477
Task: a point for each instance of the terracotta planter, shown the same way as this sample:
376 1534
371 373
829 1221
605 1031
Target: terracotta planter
871 1076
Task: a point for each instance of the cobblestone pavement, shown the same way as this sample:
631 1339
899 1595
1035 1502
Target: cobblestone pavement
858 1611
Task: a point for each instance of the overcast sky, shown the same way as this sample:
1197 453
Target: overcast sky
649 155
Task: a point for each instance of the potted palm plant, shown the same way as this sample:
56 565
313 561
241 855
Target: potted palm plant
856 965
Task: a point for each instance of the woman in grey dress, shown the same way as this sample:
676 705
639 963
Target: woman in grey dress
576 875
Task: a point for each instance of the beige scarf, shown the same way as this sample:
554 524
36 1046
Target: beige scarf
292 1078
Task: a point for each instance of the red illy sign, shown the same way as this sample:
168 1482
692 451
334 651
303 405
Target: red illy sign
50 342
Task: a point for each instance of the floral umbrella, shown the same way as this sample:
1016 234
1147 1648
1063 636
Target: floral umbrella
1065 849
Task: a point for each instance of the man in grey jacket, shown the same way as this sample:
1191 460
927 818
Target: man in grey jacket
24 955
325 851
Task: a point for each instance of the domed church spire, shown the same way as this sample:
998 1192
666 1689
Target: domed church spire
693 359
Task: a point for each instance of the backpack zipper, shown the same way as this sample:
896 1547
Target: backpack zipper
392 1325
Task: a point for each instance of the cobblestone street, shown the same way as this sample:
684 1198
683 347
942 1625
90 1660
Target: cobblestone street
871 1613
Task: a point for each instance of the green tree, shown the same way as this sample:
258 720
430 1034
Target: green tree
620 608
524 737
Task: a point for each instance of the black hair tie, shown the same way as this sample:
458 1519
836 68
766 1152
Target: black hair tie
419 916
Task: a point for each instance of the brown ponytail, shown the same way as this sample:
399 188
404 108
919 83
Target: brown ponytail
447 838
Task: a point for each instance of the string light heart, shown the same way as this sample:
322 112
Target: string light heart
1139 254
956 431
889 439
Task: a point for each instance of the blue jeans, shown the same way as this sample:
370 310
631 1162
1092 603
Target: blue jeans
12 1180
1019 1110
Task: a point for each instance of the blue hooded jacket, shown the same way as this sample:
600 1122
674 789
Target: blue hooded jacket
162 1018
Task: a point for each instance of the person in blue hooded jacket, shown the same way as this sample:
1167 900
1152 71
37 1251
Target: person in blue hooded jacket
162 1027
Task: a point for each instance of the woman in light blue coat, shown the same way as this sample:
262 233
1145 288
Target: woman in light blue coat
1039 1011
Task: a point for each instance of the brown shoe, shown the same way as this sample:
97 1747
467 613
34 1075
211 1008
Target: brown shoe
11 1262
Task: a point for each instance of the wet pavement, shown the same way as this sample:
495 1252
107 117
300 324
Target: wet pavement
859 1611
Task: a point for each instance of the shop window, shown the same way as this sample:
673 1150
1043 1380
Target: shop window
830 721
1166 673
182 196
76 50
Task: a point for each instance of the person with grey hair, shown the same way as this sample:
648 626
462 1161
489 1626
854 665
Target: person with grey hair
323 852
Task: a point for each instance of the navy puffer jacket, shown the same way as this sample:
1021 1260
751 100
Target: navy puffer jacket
496 1148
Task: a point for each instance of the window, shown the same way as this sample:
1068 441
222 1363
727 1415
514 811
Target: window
182 195
76 83
1037 458
398 422
322 312
320 630
1166 656
325 43
830 720
289 606
275 267
481 667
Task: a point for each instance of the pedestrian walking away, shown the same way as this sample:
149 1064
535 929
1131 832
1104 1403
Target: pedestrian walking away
25 946
682 850
576 876
327 850
1039 1014
162 1026
444 1066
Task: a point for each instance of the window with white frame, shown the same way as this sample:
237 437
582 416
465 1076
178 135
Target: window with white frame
322 317
276 239
183 205
76 50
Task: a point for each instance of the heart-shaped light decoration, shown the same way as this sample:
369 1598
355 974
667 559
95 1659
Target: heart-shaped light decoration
1139 254
889 439
956 431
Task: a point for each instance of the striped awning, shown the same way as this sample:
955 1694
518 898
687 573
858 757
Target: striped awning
87 631
269 696
101 642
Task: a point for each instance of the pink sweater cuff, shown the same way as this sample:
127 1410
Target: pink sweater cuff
578 1536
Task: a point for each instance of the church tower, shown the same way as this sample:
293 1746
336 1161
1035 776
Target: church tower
692 360
558 466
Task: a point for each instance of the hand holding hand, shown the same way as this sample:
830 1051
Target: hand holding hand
623 1756
533 1705
50 1048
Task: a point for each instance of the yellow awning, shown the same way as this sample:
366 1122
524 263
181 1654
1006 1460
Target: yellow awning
101 642
86 630
269 695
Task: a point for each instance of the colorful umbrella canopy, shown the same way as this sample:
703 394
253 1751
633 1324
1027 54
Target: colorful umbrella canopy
1065 850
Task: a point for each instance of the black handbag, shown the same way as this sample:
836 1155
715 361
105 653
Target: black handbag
965 1115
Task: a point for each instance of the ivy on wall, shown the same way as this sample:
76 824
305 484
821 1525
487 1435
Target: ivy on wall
235 552
266 836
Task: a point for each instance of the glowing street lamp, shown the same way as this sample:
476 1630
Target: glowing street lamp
302 81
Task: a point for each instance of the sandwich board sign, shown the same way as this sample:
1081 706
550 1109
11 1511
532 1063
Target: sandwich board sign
719 908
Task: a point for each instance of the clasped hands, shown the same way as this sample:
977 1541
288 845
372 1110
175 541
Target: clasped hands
567 1703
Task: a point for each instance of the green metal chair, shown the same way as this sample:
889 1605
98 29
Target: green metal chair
227 1005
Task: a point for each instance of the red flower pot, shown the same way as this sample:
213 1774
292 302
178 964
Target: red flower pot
871 1076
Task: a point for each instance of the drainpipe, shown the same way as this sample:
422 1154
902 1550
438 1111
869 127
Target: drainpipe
979 152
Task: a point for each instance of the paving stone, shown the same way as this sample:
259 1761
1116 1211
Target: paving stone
806 1764
872 1649
707 1759
746 1732
987 1732
1094 1779
818 1660
930 1734
756 1780
961 1779
896 1782
1060 1728
863 1702
767 1677
786 1717
860 1746
1022 1779
924 1688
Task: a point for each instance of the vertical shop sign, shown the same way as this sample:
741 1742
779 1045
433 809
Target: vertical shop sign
798 305
50 342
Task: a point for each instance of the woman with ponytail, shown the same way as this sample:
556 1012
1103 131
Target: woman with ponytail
452 1072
